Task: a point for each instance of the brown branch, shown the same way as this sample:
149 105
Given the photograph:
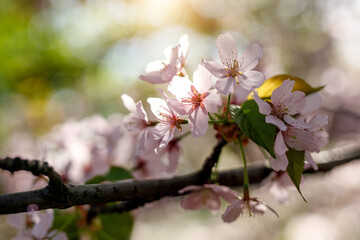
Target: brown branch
135 193
72 195
36 167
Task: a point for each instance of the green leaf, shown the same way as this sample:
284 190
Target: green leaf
295 167
115 174
66 222
252 123
272 83
116 226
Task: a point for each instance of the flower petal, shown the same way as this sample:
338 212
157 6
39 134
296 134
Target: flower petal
295 103
128 102
167 134
233 211
251 79
310 160
240 95
198 122
318 121
313 103
153 77
158 106
180 87
212 101
213 201
190 189
202 79
279 147
225 85
215 68
296 122
168 73
172 55
300 139
251 57
225 192
275 121
282 93
264 107
173 156
184 45
227 49
193 201
280 163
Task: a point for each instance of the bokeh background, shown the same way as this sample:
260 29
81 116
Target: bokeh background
62 59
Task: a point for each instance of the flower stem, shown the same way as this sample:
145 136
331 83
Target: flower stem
227 108
246 178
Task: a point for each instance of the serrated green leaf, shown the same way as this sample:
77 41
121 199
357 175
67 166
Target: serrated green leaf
66 222
252 124
115 174
274 82
295 167
116 226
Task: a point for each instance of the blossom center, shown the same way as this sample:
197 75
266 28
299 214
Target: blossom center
195 98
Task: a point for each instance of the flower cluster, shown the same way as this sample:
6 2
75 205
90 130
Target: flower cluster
295 133
82 150
197 103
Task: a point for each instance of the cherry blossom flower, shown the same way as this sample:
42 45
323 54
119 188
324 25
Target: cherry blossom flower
308 140
158 72
169 121
80 150
195 99
244 206
136 121
148 164
279 184
35 225
234 70
207 195
284 103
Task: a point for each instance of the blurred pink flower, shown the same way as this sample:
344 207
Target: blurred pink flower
195 99
234 69
158 72
279 184
148 164
35 225
80 150
207 195
136 122
252 205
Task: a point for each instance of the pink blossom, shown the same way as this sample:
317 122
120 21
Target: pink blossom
284 103
234 69
148 164
195 99
158 72
35 225
80 150
252 205
136 121
207 195
279 184
169 121
308 140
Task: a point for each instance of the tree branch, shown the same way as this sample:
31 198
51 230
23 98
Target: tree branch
71 195
135 193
